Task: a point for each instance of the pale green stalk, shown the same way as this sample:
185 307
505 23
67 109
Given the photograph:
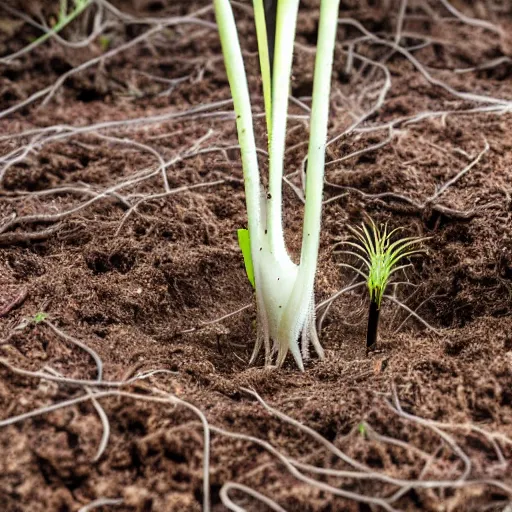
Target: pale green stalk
318 137
244 123
283 57
277 270
266 75
241 100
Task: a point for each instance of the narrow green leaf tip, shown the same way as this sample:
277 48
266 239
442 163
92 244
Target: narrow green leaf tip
244 241
265 61
381 255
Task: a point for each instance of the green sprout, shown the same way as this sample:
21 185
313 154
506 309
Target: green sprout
104 42
244 242
380 255
39 317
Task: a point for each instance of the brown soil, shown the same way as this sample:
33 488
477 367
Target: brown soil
175 264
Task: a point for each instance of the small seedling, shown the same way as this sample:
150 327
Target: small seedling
39 317
380 255
104 42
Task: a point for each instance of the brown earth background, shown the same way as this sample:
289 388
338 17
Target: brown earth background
138 286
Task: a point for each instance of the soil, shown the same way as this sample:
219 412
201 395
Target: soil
131 288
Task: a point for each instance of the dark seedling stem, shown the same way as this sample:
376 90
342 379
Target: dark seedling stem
373 326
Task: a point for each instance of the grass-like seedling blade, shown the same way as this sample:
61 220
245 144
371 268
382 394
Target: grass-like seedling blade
380 255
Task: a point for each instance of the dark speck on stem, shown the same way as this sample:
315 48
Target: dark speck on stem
269 196
265 231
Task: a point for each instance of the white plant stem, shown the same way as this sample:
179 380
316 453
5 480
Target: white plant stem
285 35
284 291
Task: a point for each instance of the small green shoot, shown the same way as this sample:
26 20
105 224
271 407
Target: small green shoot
380 255
375 248
244 241
104 42
361 428
39 317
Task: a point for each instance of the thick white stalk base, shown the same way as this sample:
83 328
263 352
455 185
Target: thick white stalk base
276 281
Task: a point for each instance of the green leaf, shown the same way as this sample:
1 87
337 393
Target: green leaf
244 241
265 58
